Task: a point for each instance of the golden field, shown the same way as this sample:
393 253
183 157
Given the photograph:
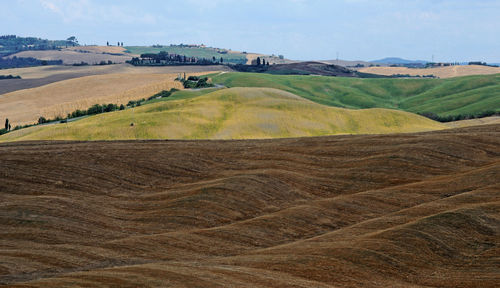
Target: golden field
59 98
48 71
440 72
71 56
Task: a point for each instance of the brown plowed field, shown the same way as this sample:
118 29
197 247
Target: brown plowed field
405 210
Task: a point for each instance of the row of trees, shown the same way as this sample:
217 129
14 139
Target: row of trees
119 44
260 62
20 62
94 110
164 58
450 118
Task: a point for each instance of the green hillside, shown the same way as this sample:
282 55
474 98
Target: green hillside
200 52
454 96
236 113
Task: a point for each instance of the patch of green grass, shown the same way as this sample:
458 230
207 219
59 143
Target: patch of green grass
200 52
183 94
454 96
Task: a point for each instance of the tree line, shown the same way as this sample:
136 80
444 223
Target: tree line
164 59
458 117
93 110
20 62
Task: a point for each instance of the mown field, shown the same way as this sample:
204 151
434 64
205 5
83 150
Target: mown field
441 72
42 75
59 98
406 210
72 56
236 113
454 96
201 52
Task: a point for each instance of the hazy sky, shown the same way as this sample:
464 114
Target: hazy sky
452 30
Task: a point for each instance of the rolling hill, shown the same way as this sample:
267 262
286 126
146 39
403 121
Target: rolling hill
397 60
440 72
73 56
59 98
199 51
406 210
456 96
237 113
42 75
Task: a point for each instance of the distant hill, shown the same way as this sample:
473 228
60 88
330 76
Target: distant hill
299 68
348 63
10 44
440 72
395 60
199 51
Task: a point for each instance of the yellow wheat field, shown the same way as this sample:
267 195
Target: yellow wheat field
58 99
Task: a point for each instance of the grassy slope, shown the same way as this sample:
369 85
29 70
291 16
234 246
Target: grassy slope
238 113
190 52
472 94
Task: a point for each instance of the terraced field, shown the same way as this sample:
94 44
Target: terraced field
235 113
407 210
455 96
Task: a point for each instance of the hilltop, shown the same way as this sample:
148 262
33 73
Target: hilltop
236 113
406 210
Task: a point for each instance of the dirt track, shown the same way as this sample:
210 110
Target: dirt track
408 210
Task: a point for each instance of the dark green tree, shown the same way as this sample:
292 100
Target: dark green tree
221 60
258 61
7 124
42 120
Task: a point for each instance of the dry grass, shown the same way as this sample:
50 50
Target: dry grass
99 49
60 98
408 210
474 122
441 72
47 71
235 113
71 57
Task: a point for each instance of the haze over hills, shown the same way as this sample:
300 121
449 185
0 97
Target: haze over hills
396 60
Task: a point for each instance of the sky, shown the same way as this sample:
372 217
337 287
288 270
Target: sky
451 30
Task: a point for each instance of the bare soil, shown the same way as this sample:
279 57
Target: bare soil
406 210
